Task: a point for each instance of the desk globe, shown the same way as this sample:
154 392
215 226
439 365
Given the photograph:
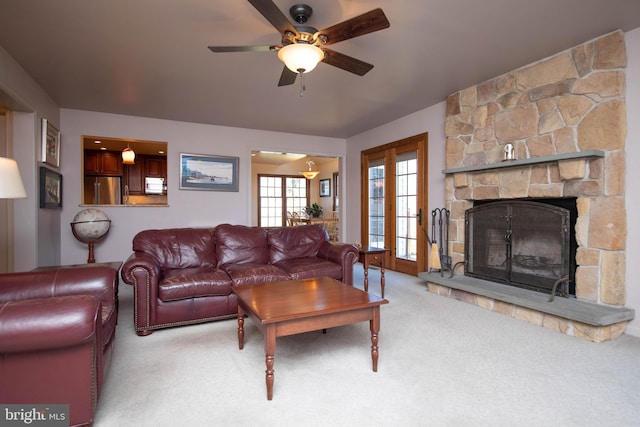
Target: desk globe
90 226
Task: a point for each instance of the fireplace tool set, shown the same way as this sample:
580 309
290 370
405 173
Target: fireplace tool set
439 259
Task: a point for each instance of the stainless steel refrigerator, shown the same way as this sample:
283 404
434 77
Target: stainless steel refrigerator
102 190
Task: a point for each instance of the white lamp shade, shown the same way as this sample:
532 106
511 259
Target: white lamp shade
300 57
11 186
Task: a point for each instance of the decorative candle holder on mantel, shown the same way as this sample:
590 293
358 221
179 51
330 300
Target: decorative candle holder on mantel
509 152
90 226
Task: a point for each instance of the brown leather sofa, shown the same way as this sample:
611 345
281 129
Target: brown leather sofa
57 331
184 275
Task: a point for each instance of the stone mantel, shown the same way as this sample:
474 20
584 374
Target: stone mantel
526 162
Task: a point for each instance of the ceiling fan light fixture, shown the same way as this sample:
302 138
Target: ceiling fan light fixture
300 57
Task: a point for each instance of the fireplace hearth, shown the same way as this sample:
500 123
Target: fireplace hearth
523 243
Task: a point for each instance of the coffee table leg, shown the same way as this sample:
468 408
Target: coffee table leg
382 279
374 325
240 328
270 350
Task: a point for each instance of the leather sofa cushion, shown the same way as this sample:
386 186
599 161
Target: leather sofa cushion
178 247
240 244
306 268
192 283
251 273
296 242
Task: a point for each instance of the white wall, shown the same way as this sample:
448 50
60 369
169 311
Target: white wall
30 104
430 120
632 148
186 208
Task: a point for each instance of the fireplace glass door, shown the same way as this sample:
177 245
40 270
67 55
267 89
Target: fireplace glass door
521 243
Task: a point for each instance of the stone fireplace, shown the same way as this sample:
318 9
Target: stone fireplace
566 119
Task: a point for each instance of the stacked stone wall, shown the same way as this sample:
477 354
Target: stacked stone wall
571 102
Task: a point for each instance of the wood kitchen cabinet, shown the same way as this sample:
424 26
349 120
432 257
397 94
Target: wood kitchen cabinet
102 163
155 166
134 177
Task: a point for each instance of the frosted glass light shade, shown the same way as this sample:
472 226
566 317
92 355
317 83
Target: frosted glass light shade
300 57
310 174
128 156
11 186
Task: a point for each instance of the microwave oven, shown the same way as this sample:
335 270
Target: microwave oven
153 185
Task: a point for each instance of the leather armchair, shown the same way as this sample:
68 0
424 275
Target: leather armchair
57 330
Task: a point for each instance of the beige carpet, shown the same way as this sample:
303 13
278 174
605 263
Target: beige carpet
442 363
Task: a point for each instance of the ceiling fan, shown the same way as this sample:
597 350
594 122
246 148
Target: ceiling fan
304 46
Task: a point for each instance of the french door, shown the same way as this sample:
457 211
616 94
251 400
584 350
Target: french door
394 202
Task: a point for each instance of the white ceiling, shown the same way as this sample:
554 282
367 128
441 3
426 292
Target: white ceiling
149 57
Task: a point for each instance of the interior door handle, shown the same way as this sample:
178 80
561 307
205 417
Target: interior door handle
419 216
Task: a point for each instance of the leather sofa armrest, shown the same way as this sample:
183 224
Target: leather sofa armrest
143 272
344 254
49 323
140 263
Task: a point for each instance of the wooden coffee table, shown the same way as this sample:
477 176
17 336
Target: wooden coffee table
292 307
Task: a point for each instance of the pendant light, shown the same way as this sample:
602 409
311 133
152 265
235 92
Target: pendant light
128 156
310 174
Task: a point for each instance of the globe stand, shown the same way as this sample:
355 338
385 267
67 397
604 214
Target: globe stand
92 258
90 242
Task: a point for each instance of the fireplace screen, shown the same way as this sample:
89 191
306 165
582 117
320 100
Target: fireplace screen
520 243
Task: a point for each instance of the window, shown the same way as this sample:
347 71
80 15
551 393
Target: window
279 194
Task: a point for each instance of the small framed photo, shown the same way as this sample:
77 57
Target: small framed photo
50 144
50 188
325 187
212 173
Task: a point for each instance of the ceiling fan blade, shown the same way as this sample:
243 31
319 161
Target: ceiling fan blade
346 62
360 25
270 11
222 49
287 77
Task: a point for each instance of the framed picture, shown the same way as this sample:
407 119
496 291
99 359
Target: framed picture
50 188
50 144
325 187
213 173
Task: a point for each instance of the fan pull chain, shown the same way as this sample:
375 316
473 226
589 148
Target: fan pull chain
302 85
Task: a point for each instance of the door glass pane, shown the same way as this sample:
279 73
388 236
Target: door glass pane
406 206
376 206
